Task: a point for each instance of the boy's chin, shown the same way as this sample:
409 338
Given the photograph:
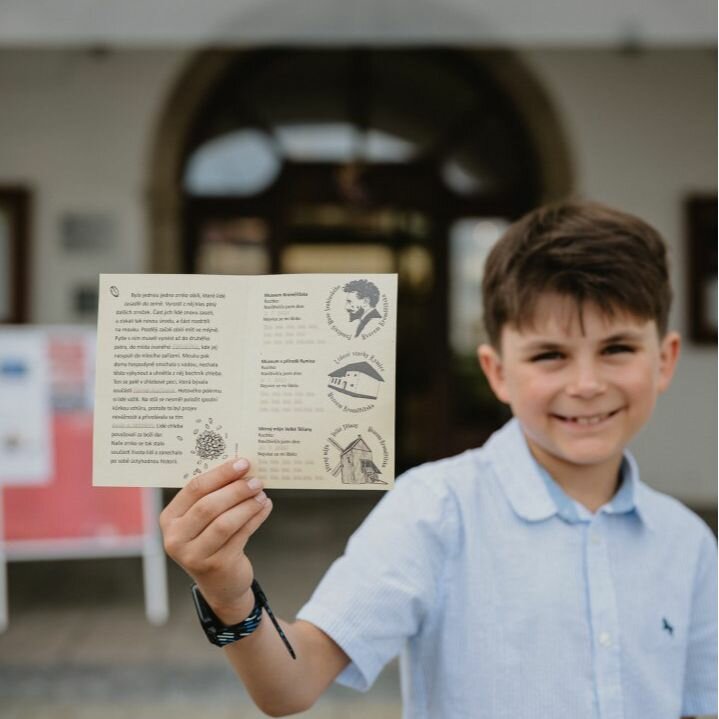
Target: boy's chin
587 453
591 456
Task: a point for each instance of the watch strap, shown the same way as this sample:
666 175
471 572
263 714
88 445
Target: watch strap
221 634
262 599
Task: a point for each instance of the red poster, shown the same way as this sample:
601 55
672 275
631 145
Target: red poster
69 507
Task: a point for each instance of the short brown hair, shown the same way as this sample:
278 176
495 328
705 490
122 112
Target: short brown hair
578 249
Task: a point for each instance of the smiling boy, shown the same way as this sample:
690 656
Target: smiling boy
581 384
537 576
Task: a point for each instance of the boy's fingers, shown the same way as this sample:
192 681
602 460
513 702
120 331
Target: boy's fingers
254 523
203 484
231 526
203 513
237 543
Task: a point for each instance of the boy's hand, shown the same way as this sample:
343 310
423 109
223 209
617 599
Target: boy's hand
206 527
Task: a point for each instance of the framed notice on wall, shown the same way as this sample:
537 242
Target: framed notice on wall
14 253
701 219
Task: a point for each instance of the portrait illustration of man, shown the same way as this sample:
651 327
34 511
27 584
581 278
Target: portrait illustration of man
361 303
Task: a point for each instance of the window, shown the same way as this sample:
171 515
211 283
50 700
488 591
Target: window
471 240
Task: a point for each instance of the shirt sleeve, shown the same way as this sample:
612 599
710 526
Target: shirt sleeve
700 678
374 597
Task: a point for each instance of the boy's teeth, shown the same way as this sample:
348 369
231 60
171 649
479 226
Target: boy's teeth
590 420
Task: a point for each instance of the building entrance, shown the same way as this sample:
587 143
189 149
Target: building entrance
369 160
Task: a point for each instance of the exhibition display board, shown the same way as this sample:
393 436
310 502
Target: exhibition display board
48 506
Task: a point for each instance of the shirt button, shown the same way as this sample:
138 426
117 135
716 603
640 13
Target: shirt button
605 640
595 538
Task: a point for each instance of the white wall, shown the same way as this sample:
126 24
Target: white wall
77 128
223 22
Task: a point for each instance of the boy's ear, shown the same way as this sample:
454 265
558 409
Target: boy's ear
491 363
668 356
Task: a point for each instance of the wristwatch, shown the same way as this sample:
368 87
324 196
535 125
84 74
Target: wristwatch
221 634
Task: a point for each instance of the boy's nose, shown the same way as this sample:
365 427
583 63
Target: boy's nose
586 381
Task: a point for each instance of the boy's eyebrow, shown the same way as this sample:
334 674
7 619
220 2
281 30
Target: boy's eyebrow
625 336
550 345
536 345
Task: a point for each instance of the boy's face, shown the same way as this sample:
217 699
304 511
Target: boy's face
580 390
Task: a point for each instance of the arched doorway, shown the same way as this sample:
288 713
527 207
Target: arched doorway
407 161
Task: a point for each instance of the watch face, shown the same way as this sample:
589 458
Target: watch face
206 615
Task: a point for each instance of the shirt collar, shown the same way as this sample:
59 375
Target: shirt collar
535 496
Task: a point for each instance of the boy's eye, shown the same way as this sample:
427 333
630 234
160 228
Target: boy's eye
617 349
547 356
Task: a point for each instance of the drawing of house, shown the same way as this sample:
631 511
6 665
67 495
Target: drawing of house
356 464
358 379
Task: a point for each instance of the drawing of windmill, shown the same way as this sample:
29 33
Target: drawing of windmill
356 463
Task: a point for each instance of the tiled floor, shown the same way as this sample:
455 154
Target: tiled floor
78 645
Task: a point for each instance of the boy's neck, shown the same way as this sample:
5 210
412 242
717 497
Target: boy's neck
592 486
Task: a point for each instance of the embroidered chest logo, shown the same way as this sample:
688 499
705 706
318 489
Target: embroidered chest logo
668 628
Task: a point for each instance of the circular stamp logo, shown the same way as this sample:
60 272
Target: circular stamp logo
356 454
355 381
356 310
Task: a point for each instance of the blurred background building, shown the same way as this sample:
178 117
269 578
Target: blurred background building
252 138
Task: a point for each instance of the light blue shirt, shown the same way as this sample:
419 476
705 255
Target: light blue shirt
504 598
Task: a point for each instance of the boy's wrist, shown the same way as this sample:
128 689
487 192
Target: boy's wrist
233 612
227 627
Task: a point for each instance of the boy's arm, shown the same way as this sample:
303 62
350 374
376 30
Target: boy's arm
278 684
206 528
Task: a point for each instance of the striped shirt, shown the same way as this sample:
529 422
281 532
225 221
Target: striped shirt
505 598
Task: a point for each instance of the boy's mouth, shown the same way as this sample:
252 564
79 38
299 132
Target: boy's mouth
586 420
